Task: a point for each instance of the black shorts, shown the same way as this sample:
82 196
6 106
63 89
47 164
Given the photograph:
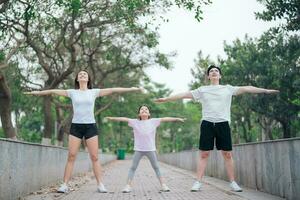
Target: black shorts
211 132
83 130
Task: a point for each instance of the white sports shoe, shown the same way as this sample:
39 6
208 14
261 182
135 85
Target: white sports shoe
101 188
63 188
127 189
235 187
196 187
164 188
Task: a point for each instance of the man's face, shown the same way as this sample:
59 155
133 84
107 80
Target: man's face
214 73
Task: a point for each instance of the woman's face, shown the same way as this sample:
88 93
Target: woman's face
144 112
82 76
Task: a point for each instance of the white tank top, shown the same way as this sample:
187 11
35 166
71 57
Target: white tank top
83 102
216 101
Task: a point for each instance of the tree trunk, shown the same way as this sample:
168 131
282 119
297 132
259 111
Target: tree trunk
17 120
173 139
266 124
3 5
60 135
246 133
64 129
48 119
286 128
5 109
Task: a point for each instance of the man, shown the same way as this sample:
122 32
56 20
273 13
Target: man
216 103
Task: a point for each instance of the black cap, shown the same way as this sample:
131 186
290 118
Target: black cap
213 66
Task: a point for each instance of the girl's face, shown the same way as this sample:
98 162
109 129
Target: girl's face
144 112
82 76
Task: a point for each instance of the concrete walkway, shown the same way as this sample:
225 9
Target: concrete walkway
146 186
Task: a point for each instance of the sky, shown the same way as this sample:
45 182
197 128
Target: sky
224 20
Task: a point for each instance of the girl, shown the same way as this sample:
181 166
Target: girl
144 130
83 123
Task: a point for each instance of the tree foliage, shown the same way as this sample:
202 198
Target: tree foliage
287 10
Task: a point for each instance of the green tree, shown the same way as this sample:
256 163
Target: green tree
272 61
57 34
3 5
22 106
5 92
282 9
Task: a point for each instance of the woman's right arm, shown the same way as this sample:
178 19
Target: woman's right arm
118 119
48 92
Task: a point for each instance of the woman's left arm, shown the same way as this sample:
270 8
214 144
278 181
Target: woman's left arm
109 91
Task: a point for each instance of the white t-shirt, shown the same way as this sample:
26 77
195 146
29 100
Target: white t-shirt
216 101
83 102
144 133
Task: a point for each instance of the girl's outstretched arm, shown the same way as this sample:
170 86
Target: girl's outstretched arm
172 119
118 119
254 90
48 92
109 91
184 95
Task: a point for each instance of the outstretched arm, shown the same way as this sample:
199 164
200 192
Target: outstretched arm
118 119
109 91
48 92
184 95
172 119
254 90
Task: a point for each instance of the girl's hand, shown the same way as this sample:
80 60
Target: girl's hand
181 119
142 90
139 89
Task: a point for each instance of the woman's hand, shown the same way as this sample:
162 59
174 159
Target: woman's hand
272 91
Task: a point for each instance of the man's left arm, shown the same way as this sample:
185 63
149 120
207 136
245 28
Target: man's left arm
255 90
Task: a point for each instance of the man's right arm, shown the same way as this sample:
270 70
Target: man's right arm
184 95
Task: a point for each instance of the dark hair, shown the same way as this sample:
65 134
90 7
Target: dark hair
213 66
144 105
89 83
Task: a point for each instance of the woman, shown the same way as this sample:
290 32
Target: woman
83 123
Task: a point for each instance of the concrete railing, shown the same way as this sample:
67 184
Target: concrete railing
26 167
272 166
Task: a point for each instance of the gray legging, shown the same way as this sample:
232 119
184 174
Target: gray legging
136 159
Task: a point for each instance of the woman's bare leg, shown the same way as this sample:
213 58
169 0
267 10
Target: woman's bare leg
92 144
74 144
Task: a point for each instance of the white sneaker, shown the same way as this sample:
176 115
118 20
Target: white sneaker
235 187
63 188
164 188
127 189
196 187
101 188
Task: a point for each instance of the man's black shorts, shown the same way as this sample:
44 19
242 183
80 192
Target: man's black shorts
211 132
83 130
